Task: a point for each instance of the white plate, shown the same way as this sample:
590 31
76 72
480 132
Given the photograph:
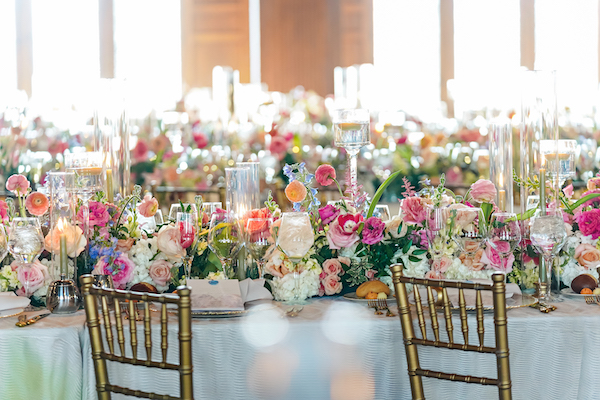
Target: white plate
570 293
218 314
11 312
352 296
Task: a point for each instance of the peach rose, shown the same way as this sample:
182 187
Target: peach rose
124 245
472 262
441 264
76 242
332 266
587 256
167 241
35 275
160 272
332 285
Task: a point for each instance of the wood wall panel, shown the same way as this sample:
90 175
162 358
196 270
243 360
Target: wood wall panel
302 41
214 32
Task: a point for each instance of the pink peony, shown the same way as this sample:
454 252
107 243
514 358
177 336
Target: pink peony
35 275
372 232
325 174
37 203
160 272
342 231
413 211
491 257
3 211
441 264
328 214
332 266
589 223
587 256
167 241
17 184
332 285
99 215
149 206
121 269
483 191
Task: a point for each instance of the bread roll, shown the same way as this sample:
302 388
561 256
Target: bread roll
584 281
372 286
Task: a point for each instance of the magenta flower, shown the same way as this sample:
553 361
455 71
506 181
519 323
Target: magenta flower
373 231
593 202
3 211
17 184
413 211
325 175
201 140
328 214
121 269
342 231
589 223
99 215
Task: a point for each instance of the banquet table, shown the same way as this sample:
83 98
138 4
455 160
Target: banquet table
334 349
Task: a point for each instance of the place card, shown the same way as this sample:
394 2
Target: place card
222 295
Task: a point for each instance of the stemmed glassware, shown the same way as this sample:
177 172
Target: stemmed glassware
3 243
25 243
187 223
176 208
225 239
548 235
471 230
352 131
438 231
504 235
567 150
295 238
258 239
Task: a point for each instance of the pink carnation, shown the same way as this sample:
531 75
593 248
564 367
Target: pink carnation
121 269
413 211
325 174
17 184
589 223
373 231
483 191
328 214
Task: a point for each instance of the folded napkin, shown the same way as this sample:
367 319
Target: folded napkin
9 300
254 290
470 294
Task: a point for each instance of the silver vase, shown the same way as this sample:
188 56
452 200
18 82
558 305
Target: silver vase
63 297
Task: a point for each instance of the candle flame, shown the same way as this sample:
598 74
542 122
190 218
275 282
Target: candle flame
61 224
500 180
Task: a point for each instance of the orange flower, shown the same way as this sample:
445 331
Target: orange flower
37 203
295 192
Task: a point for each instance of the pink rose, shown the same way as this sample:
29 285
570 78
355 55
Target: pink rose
167 241
121 269
342 231
413 210
3 211
325 175
278 145
201 140
345 260
441 264
17 184
593 183
372 232
464 215
483 191
140 151
332 285
149 206
491 258
34 275
332 266
160 272
434 275
76 242
472 262
328 214
370 274
124 245
587 256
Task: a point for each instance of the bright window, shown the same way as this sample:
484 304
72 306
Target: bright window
8 42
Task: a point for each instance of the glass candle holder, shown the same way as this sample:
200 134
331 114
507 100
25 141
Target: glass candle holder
501 162
62 220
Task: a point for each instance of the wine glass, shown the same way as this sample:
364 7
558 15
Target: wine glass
438 232
567 149
208 209
382 211
352 131
295 238
471 230
149 224
548 235
176 208
258 239
187 223
3 243
25 243
225 239
504 235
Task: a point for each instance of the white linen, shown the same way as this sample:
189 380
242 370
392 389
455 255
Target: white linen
10 301
254 290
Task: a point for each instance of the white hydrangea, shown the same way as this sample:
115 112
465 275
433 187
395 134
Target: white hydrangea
8 279
285 289
142 254
572 269
458 271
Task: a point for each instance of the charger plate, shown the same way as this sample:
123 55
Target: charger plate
13 312
353 297
218 314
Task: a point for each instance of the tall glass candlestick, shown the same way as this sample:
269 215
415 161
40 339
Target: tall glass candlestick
501 161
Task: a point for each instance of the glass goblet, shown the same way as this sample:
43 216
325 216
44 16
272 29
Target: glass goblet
560 158
471 230
176 208
225 239
3 243
548 235
295 238
258 239
504 236
25 243
382 211
186 224
438 232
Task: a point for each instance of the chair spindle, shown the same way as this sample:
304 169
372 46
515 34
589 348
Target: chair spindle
107 325
448 315
479 308
147 331
163 332
463 315
133 328
420 315
119 323
433 315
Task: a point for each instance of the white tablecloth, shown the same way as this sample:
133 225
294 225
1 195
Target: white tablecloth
334 349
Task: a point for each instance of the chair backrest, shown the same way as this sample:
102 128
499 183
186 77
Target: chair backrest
93 296
498 289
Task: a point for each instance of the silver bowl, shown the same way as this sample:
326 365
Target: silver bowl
63 297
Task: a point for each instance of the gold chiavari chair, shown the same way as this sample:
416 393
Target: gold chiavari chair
137 302
415 372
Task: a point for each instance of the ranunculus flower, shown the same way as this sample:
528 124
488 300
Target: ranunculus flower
325 175
413 210
76 242
441 264
332 285
124 245
332 266
342 231
256 227
3 211
121 269
17 184
295 191
37 203
34 275
99 215
491 257
328 214
167 241
587 256
149 206
373 230
483 191
589 223
160 272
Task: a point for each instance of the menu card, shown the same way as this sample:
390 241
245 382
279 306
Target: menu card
221 295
